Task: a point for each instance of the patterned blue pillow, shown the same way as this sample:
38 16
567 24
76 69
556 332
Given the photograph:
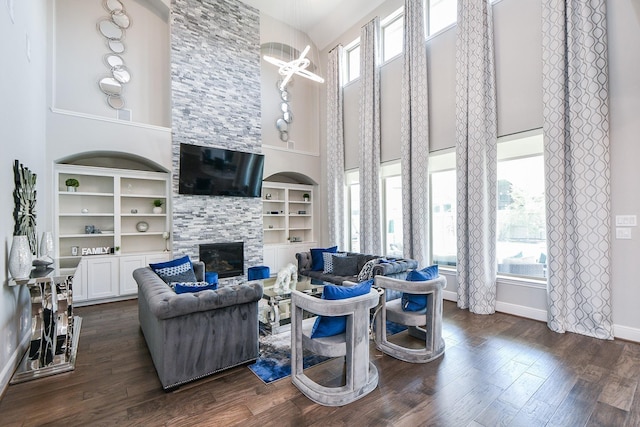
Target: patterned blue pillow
327 326
188 287
177 270
413 302
317 262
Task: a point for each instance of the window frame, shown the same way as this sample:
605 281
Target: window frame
392 18
348 49
392 169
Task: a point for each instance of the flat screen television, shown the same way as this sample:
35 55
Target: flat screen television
219 172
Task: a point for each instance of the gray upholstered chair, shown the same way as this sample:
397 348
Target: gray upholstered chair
361 374
425 325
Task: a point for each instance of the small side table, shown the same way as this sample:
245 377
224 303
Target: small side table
55 330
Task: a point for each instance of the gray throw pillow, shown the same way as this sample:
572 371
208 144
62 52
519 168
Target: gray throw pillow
345 266
328 260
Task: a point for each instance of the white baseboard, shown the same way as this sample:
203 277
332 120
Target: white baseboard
12 363
626 333
522 311
619 331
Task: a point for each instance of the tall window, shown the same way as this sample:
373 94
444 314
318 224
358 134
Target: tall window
522 245
353 207
442 168
352 60
392 205
392 35
442 13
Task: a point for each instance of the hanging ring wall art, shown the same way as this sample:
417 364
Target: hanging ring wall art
113 29
24 197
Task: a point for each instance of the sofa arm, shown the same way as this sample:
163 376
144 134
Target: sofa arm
164 303
394 267
198 269
304 261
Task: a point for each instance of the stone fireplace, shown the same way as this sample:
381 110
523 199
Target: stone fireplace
215 102
226 259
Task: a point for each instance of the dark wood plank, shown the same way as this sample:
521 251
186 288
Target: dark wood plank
496 370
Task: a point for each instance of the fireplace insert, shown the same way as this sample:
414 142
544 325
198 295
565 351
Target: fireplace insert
226 259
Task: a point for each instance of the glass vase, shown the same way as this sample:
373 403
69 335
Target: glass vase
20 258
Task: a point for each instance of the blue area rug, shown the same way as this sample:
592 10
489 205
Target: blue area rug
274 361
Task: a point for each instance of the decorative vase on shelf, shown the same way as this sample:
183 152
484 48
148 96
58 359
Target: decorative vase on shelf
71 189
20 258
157 209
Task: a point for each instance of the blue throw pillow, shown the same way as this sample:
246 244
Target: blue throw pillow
211 277
413 302
187 287
317 262
327 326
177 270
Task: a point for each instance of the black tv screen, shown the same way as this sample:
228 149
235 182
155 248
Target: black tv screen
218 172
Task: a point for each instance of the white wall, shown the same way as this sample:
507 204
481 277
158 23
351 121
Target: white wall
517 26
79 51
23 51
623 21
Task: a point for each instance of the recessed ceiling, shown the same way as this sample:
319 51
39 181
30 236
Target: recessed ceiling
322 20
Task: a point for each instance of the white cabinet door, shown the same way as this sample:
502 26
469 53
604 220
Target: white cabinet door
152 259
80 282
269 258
128 285
102 277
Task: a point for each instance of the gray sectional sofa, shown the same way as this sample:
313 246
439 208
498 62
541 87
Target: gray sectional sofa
396 269
193 335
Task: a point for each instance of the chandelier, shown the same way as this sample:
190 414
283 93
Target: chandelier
297 66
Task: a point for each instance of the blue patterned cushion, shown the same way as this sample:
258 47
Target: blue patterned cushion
187 287
413 302
177 270
327 326
328 260
317 262
367 270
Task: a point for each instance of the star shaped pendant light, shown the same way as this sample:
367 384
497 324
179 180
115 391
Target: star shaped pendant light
297 66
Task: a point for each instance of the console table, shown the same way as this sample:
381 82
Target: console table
55 331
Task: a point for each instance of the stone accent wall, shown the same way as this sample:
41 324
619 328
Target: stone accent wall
215 82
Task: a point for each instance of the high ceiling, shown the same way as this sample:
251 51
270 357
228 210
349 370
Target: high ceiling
322 20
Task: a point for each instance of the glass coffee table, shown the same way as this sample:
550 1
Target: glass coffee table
275 311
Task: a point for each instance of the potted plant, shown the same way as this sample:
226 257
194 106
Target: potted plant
72 184
157 206
116 250
306 197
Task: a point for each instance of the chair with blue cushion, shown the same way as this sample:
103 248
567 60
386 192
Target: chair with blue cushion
352 343
425 323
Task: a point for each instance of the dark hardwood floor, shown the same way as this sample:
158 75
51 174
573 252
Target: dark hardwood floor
497 370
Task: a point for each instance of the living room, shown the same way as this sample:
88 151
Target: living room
53 112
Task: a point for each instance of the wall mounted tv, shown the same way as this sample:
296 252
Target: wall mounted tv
218 172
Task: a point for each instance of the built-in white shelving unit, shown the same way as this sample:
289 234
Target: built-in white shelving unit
113 202
287 222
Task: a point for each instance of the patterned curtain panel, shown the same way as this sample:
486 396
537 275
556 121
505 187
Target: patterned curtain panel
335 149
370 234
414 136
476 157
576 140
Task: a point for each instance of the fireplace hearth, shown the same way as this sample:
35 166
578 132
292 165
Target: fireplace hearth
226 259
